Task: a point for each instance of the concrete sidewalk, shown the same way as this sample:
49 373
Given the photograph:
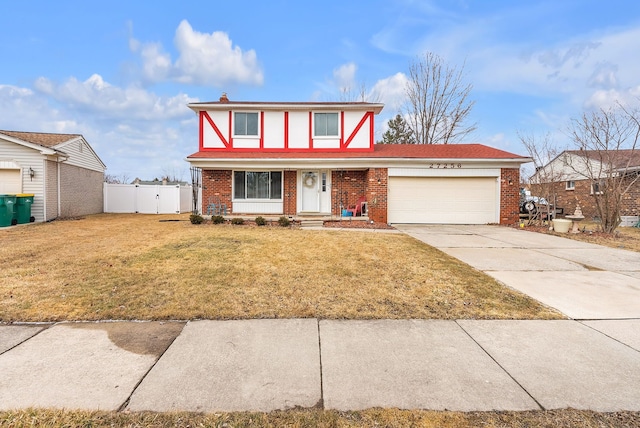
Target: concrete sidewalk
262 365
583 281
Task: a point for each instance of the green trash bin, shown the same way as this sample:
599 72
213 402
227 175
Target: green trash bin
7 203
22 209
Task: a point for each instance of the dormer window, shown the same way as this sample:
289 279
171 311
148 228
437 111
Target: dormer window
325 125
245 124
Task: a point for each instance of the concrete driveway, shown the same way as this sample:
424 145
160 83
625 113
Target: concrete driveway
583 281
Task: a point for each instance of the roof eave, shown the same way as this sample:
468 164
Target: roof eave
375 107
359 163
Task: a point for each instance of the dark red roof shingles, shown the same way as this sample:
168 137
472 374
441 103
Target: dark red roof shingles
408 151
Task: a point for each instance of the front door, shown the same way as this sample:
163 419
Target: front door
310 185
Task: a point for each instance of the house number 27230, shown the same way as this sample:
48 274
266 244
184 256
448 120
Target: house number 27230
445 165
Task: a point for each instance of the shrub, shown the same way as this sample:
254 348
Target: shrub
217 219
260 221
237 220
284 221
196 219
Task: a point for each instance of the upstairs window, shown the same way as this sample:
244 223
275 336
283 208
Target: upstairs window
245 124
570 185
325 125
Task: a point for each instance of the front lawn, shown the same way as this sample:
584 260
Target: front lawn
144 267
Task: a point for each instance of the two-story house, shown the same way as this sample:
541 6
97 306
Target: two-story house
319 158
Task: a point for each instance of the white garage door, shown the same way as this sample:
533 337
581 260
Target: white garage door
10 181
443 200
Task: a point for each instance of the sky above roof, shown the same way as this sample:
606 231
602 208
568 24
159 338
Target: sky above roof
122 73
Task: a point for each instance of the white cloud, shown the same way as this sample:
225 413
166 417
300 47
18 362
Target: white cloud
204 59
391 91
344 76
112 102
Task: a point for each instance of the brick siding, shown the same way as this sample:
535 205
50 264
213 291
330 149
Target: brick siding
348 186
51 190
81 191
581 194
509 195
377 179
216 187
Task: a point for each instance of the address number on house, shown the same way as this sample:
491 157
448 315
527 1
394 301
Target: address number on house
445 165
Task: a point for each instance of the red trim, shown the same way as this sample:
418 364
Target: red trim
261 130
310 130
342 144
215 128
286 130
230 130
371 131
355 131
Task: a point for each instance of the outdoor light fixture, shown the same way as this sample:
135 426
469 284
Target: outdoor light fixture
32 173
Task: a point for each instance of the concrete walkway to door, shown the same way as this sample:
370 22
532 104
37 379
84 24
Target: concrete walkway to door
583 281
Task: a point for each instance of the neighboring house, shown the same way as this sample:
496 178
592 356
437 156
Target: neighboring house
61 170
319 158
575 177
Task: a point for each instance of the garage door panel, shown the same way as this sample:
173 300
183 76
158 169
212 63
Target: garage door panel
10 181
444 200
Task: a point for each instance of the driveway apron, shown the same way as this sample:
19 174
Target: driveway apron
583 281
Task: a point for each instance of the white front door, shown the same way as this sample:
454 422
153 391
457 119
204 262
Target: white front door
310 193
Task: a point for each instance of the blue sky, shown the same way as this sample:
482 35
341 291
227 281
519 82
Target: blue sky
122 72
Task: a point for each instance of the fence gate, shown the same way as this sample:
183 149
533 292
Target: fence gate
146 199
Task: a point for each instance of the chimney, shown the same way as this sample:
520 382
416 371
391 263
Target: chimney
223 98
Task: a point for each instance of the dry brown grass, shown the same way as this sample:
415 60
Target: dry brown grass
324 419
627 238
137 267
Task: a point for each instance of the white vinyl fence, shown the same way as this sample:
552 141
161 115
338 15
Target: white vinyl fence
147 199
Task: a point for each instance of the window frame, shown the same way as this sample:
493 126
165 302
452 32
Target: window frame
246 122
596 187
247 191
570 185
325 114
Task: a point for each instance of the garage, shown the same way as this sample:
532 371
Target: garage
10 181
443 200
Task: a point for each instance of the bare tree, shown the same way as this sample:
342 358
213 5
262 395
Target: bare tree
438 103
173 174
606 142
116 179
546 175
360 94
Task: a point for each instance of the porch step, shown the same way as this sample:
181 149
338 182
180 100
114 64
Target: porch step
311 224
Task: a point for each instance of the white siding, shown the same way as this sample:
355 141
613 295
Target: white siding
273 130
262 207
80 154
299 130
210 137
362 139
27 158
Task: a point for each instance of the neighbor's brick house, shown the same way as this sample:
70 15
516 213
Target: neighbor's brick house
297 159
573 178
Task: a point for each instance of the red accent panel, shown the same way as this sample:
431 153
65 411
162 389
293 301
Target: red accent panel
215 128
310 130
286 130
230 130
342 145
355 131
261 130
